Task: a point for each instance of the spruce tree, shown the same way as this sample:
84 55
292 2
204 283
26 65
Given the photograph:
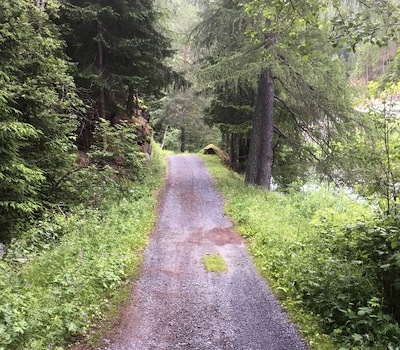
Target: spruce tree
36 110
119 53
284 52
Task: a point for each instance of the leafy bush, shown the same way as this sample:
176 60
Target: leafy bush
377 246
117 146
114 158
65 273
334 265
328 276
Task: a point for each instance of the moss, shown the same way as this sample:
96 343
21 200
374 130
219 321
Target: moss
212 149
215 263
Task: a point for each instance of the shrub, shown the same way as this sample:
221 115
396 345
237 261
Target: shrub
333 264
64 274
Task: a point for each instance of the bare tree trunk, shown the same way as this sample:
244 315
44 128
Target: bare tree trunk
234 152
164 137
367 72
100 67
225 139
259 164
102 100
183 139
129 103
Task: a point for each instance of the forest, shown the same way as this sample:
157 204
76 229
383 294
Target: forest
304 98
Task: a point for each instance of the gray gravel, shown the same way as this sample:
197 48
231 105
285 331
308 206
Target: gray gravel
176 304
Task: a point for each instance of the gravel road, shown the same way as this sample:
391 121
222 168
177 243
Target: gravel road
176 304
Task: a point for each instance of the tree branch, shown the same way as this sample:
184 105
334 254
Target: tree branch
68 174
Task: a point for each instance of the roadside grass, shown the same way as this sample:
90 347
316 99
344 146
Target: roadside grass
299 245
74 284
215 263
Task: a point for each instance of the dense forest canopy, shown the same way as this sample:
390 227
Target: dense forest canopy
304 53
65 66
273 83
299 93
39 109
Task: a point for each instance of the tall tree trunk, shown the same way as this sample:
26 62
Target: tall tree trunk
129 104
164 137
244 147
102 99
234 151
259 164
225 139
183 139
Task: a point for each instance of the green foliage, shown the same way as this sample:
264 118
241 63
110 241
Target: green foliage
369 154
18 182
357 22
377 246
311 101
373 62
37 111
182 115
117 146
215 263
119 50
333 264
172 140
66 272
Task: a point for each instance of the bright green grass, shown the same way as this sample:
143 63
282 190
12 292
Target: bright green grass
215 263
281 233
64 292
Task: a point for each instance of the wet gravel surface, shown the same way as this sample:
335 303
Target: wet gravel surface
176 304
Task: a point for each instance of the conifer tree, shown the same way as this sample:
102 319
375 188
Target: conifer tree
119 53
283 50
36 110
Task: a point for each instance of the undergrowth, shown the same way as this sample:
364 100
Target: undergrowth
65 274
332 261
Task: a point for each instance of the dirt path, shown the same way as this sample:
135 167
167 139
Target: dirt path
176 303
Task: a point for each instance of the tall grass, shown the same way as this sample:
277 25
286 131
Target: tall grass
49 298
315 248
